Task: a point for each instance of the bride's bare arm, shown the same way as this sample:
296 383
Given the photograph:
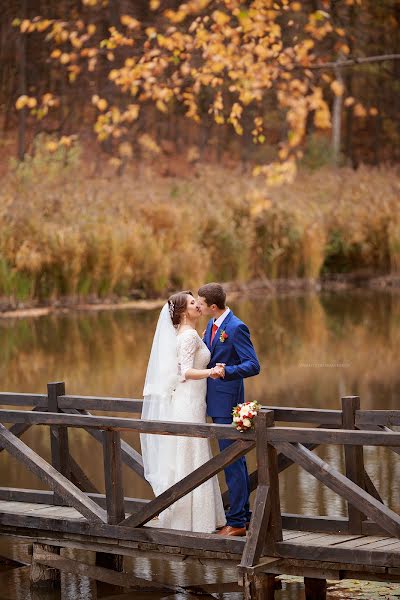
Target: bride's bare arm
196 374
187 347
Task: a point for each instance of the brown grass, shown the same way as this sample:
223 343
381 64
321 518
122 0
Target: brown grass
65 234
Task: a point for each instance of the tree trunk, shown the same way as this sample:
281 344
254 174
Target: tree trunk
21 61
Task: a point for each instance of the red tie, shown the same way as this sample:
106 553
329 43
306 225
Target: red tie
214 331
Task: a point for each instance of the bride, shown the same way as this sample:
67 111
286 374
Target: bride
175 390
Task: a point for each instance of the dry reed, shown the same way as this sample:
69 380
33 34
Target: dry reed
66 235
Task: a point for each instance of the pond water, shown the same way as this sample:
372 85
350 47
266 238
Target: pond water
313 349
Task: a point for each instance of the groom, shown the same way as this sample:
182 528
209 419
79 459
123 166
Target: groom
228 340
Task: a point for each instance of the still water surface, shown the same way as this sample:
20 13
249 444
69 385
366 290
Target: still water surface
313 349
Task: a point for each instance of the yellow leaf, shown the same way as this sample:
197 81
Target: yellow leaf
349 101
25 25
32 102
359 110
102 104
129 22
64 58
91 29
337 88
56 53
161 106
66 140
51 146
373 111
21 102
296 6
220 17
154 4
125 150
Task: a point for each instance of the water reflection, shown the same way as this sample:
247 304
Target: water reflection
300 341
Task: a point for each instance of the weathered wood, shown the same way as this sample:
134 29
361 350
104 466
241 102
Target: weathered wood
315 589
18 429
380 428
257 532
354 461
201 430
134 405
130 456
378 417
124 405
332 436
98 573
375 559
60 484
189 483
110 561
306 415
213 588
157 536
113 477
275 525
47 497
337 482
370 487
258 587
41 575
10 399
311 523
58 436
79 477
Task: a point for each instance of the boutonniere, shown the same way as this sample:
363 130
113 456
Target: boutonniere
223 336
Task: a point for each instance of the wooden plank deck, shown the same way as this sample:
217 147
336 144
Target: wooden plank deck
31 519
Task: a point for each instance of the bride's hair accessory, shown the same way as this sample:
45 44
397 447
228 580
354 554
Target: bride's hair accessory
177 305
171 309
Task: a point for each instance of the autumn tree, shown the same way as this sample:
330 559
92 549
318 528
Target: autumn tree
268 70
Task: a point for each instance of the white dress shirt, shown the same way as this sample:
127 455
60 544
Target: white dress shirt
218 322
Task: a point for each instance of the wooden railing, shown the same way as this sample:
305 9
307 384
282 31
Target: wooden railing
277 448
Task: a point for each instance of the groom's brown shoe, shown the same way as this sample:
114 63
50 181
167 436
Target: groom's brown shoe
228 530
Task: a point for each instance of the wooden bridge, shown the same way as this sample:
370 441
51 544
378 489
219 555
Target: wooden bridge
73 514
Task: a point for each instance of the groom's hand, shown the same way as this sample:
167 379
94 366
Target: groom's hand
218 371
221 367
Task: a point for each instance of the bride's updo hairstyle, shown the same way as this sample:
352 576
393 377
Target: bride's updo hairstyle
177 304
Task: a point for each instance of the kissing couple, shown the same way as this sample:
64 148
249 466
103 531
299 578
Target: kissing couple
187 379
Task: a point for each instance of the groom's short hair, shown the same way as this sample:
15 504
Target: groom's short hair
213 293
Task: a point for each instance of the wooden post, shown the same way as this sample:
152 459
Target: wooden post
40 575
259 587
114 493
315 589
58 436
256 535
266 522
354 460
113 477
274 533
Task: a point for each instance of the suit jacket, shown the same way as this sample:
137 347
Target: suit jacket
238 354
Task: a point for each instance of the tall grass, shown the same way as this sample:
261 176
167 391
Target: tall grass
64 234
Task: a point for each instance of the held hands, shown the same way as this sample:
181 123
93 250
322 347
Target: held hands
218 372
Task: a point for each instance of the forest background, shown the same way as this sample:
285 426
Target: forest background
152 145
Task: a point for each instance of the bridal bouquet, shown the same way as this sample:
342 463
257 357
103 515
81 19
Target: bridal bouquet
243 415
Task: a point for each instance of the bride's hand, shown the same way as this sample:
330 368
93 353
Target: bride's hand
217 372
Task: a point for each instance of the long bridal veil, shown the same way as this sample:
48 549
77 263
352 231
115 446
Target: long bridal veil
161 380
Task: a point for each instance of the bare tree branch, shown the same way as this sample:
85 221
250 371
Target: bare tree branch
354 61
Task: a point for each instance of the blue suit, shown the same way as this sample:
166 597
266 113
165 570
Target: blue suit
238 354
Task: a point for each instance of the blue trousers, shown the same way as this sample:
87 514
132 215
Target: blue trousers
237 480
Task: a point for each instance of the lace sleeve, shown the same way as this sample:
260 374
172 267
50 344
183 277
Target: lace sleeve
187 346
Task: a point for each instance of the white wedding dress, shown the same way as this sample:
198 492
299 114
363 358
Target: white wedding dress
202 509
